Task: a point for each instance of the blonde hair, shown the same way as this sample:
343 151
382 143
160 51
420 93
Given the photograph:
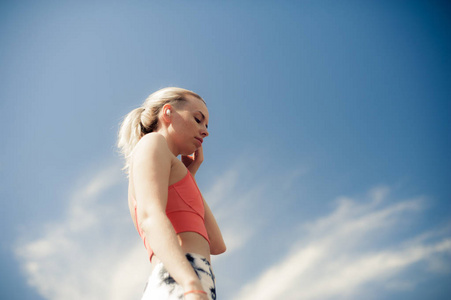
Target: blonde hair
144 119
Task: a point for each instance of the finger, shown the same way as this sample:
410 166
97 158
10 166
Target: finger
200 153
200 149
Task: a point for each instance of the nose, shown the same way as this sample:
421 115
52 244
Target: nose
204 132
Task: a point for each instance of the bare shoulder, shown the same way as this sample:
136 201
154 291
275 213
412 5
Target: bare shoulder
151 160
152 139
151 149
151 143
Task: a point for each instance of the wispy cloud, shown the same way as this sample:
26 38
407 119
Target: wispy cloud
338 255
95 253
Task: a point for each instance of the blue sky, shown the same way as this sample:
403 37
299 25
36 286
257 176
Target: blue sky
327 163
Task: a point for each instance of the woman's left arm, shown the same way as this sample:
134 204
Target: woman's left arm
217 245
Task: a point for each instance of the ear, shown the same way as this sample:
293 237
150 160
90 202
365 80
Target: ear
167 111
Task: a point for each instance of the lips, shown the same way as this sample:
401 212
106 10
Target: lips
200 140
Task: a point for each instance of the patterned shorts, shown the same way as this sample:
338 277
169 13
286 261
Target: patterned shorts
161 285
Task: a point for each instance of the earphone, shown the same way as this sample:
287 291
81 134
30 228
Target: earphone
168 112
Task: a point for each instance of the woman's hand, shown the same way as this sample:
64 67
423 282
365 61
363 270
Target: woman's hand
193 162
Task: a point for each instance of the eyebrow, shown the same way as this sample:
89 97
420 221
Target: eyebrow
202 116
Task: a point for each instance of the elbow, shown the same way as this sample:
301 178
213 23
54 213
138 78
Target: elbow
221 250
145 224
218 249
148 221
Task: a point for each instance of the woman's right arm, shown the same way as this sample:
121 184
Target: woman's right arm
150 170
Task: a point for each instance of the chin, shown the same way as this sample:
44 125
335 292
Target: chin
189 151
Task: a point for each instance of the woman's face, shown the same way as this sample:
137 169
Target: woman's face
190 125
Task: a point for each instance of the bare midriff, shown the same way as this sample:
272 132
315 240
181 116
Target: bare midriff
191 242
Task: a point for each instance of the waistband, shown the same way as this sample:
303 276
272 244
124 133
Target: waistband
195 259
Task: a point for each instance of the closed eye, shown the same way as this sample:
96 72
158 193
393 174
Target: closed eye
200 120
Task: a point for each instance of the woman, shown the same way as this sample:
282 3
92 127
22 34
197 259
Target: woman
167 208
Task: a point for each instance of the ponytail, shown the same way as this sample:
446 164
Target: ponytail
130 133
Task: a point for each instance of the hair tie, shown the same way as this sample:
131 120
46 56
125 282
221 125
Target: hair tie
194 292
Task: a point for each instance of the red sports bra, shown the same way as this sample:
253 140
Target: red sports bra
185 209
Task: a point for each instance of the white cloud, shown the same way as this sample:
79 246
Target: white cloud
95 253
336 256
